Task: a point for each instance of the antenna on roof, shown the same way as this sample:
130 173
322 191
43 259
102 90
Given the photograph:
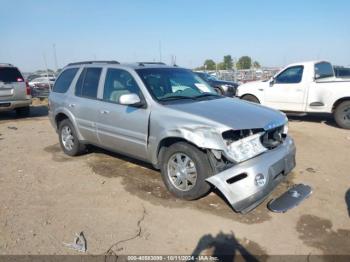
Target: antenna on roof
173 60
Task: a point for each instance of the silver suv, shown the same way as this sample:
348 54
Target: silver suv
170 117
14 91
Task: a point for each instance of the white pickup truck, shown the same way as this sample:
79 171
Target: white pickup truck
308 87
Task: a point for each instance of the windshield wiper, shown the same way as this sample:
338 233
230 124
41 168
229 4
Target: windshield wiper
169 98
206 95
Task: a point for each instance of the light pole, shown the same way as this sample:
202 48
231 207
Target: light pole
55 57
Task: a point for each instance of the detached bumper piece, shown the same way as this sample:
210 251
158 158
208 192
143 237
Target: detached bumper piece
247 184
289 199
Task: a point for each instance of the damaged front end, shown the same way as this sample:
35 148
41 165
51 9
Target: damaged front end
252 164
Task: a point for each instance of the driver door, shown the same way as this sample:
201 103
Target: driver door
287 91
122 128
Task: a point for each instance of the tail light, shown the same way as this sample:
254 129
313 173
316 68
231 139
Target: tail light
28 88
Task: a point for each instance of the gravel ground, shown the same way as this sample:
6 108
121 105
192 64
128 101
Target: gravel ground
122 206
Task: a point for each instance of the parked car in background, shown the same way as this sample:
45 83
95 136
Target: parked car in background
41 90
308 87
172 118
343 72
14 91
42 80
30 77
226 88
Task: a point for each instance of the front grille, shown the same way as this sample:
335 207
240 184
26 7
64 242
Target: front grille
234 135
273 137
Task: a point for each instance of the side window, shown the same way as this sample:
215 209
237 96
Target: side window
87 84
323 70
291 75
65 79
119 82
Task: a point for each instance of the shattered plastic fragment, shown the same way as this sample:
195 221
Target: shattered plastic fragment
79 243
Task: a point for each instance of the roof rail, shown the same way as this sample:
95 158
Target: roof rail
150 63
94 62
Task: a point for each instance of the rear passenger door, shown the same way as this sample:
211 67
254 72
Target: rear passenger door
122 128
85 105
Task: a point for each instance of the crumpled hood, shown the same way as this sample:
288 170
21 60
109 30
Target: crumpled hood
233 113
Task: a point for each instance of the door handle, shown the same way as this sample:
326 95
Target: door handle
104 112
71 105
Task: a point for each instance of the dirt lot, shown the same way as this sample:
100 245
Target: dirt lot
123 207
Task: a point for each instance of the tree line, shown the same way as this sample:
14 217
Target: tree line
244 62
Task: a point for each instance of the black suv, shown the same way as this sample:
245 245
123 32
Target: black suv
225 88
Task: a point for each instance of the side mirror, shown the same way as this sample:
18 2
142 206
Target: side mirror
130 100
272 82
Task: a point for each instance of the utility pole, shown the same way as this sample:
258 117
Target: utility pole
55 57
47 70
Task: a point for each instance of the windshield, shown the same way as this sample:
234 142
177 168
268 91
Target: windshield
175 84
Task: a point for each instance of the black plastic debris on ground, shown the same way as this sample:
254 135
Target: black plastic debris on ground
347 200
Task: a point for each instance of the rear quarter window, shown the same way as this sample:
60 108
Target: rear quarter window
323 70
64 80
10 74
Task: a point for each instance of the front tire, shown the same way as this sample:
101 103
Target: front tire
184 169
342 115
69 141
251 98
219 91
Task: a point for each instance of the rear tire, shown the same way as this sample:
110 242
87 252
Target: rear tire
342 115
251 98
69 141
197 162
23 111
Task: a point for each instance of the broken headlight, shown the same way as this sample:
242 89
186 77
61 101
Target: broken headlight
246 148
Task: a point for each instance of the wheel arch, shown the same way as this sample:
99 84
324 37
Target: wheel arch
220 88
339 101
65 114
250 94
167 142
59 118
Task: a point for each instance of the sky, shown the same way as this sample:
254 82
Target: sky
274 33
